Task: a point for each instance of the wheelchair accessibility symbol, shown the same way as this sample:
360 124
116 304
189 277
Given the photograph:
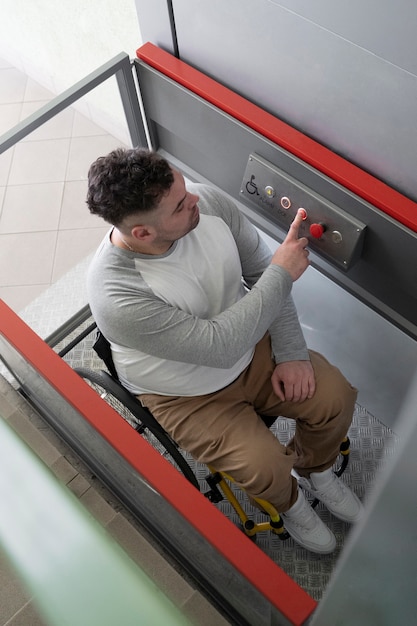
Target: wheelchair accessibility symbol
251 187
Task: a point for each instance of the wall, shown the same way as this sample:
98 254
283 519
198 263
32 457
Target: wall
57 44
375 580
343 73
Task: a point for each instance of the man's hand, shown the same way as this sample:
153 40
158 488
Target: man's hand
292 254
294 381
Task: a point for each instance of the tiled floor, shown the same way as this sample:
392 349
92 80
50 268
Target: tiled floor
45 226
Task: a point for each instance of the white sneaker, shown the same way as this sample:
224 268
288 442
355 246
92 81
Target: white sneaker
307 529
334 494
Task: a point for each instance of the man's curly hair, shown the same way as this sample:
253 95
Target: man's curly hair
127 181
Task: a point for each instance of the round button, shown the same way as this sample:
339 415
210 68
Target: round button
317 230
304 213
285 202
270 191
337 236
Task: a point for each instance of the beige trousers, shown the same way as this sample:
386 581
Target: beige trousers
223 429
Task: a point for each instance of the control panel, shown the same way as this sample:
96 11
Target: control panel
332 233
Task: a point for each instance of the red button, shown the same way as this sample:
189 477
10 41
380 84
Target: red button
304 213
317 230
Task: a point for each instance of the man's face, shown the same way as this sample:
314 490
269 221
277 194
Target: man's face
177 213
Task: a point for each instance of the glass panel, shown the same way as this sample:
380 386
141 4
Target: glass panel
46 231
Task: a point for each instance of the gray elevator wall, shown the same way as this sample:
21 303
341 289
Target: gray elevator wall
374 583
343 73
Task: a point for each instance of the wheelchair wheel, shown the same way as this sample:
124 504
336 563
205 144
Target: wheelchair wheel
138 417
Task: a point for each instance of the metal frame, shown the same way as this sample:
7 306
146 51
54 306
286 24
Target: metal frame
119 66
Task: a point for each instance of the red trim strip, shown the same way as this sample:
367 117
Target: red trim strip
252 563
335 167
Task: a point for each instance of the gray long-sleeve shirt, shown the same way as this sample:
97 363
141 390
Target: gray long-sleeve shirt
182 323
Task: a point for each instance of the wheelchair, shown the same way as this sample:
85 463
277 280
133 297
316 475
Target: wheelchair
110 389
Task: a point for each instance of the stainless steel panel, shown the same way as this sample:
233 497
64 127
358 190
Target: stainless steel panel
332 232
377 358
310 66
156 24
375 582
385 29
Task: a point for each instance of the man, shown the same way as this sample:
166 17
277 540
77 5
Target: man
204 331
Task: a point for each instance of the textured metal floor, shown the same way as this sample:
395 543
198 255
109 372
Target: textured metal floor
371 443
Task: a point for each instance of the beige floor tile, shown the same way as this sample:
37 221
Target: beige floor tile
6 407
150 560
18 297
35 91
9 116
13 85
78 485
12 594
39 162
34 438
5 164
31 208
74 210
202 613
60 126
27 258
2 194
85 150
28 615
4 64
63 470
97 506
84 127
73 246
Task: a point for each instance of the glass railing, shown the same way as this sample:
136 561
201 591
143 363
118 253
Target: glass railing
75 572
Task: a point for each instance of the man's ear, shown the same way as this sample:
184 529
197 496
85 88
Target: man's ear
144 233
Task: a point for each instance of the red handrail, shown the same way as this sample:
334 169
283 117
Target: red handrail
332 165
250 561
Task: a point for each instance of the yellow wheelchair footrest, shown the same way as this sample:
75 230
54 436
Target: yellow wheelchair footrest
218 481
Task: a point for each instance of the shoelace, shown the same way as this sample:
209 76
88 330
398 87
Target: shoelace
305 518
334 491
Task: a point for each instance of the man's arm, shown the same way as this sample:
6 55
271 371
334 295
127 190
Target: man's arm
150 325
293 378
287 338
